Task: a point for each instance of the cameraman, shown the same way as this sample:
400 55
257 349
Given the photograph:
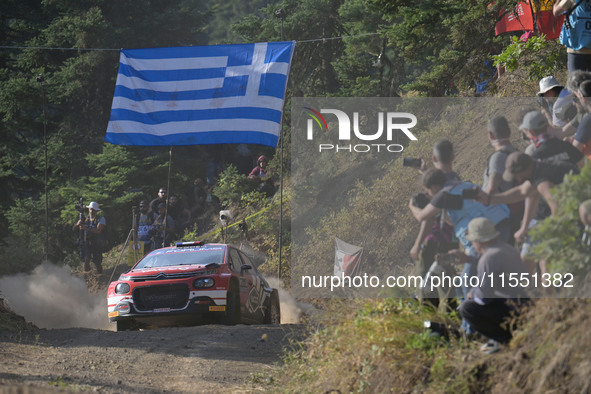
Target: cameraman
163 229
91 239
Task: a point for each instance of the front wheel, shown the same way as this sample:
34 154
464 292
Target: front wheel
232 316
273 311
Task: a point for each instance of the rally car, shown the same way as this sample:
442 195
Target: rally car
192 280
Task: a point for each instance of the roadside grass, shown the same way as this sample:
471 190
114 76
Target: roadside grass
369 346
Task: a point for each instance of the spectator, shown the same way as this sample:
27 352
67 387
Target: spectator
163 228
260 175
442 159
91 242
260 171
557 104
535 179
585 212
545 146
179 213
161 199
460 211
574 34
582 138
435 235
489 305
499 135
144 225
585 216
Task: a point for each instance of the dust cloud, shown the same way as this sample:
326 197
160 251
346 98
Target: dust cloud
291 309
50 297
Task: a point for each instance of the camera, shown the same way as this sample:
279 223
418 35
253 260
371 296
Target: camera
420 200
225 217
243 226
469 194
445 258
80 207
410 162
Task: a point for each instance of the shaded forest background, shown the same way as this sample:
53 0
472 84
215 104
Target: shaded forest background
345 48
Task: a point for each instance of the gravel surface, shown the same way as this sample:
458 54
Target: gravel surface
209 358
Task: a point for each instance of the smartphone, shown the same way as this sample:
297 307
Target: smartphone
408 162
469 193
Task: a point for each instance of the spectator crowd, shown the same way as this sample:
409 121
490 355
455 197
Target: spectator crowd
485 230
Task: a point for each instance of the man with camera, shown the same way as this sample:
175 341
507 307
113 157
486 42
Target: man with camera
163 229
144 225
457 201
435 234
91 239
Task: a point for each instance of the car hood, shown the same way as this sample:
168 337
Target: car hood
171 272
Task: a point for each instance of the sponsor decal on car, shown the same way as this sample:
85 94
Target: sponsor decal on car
113 314
217 308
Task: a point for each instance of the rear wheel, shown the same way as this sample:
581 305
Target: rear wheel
273 311
232 316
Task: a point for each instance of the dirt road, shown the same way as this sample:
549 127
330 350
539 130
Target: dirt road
209 358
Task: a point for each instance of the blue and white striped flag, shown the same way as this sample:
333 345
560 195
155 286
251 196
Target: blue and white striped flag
219 94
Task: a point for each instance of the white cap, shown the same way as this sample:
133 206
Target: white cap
93 205
548 83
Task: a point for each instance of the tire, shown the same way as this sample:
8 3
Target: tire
232 316
125 325
273 310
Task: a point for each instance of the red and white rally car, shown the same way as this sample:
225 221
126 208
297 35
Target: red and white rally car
192 279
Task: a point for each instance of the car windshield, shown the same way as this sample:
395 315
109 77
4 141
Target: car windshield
172 257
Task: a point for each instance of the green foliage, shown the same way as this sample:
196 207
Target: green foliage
426 342
560 235
362 345
72 107
539 57
254 200
231 186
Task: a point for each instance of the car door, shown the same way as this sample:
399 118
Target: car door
256 295
246 281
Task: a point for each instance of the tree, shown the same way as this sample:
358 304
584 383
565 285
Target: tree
77 88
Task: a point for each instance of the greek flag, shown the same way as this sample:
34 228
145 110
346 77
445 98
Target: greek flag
219 94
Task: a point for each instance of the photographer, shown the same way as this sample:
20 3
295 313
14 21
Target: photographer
457 201
442 158
144 225
91 239
163 229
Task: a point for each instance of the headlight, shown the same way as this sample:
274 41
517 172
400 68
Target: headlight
203 283
122 288
125 277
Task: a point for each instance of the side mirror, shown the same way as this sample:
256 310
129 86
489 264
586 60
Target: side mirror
245 267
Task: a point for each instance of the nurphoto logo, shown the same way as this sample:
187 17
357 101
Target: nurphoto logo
388 123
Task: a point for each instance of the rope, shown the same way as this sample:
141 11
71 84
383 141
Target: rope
119 49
